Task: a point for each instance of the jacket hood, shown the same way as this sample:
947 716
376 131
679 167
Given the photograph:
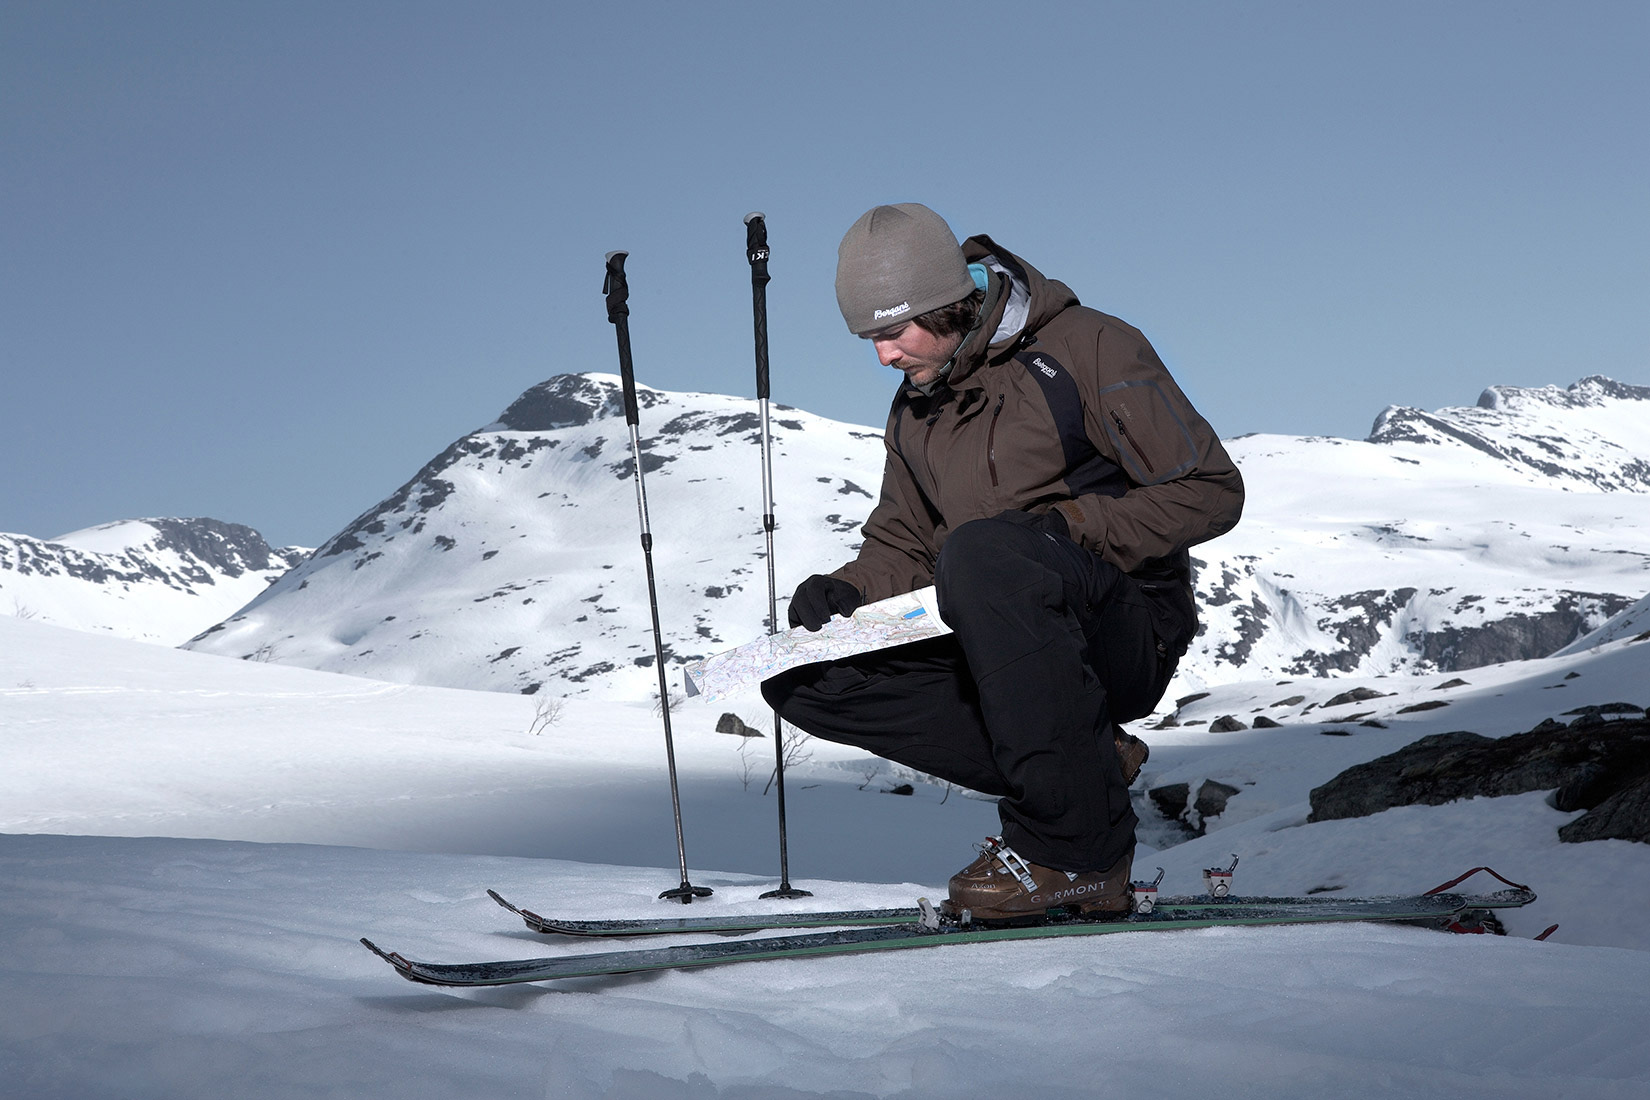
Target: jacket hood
1018 289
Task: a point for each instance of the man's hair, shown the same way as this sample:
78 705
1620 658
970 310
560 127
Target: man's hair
952 320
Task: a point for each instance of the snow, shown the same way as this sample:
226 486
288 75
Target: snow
171 968
190 847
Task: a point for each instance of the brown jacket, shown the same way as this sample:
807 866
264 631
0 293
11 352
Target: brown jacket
1071 409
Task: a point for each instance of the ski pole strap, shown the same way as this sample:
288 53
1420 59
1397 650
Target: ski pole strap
1454 882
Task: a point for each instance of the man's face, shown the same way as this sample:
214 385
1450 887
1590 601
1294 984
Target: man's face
914 350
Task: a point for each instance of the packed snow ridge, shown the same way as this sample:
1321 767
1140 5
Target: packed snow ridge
1446 540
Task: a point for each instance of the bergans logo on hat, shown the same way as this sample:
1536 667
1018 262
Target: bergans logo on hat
903 307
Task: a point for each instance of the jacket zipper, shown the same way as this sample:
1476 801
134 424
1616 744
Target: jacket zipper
1123 430
991 440
926 436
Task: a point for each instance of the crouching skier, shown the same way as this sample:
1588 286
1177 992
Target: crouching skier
1047 475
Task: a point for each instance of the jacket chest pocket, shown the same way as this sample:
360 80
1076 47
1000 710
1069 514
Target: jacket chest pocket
1151 438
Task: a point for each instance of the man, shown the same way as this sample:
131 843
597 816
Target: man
1046 474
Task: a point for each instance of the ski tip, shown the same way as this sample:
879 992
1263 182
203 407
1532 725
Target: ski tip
388 956
753 216
535 922
619 252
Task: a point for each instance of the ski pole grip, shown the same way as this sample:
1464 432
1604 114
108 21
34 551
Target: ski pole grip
756 242
756 251
616 288
618 314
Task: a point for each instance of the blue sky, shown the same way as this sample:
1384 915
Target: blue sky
260 261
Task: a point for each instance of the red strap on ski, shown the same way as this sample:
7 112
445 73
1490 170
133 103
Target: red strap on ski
1462 878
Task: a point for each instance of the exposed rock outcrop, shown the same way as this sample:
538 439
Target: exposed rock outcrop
1595 763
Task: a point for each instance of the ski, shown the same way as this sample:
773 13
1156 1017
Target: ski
733 924
749 922
931 931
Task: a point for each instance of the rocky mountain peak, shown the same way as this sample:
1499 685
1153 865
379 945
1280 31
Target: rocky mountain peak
1591 434
1591 392
568 401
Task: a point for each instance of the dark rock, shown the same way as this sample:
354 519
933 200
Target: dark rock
1624 709
1590 784
1625 815
1226 723
565 401
732 723
1186 699
903 788
1264 723
1589 766
1516 637
1416 708
1174 801
1292 701
1457 682
1356 695
1171 798
1212 797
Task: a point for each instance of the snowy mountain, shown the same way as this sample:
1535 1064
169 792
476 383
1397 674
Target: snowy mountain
154 580
1444 541
512 559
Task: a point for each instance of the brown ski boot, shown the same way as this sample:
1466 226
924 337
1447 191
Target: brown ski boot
1002 886
1132 753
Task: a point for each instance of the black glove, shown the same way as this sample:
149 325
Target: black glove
1051 522
819 597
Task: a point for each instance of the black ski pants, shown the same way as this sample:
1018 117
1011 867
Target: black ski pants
1050 645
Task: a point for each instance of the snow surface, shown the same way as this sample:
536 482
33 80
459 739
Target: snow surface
174 968
136 963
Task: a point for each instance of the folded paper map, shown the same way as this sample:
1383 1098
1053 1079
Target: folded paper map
895 621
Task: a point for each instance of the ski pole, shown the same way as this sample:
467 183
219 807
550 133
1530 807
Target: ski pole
618 314
756 251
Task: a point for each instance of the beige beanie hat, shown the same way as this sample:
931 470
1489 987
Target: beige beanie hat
896 263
